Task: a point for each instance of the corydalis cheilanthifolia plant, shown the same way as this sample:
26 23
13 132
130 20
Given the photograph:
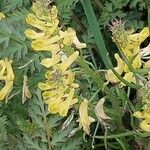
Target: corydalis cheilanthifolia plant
59 88
129 45
6 75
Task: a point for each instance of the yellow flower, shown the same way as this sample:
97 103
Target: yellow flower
47 44
85 120
110 76
64 65
35 22
71 38
54 104
69 78
145 125
138 114
33 35
65 105
48 62
6 74
129 76
2 16
58 102
6 90
145 116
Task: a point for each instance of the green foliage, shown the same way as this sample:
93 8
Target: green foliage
3 130
10 6
65 8
29 126
124 10
37 135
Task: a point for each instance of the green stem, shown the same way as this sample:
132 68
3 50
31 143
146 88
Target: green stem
128 133
111 145
93 139
148 16
94 95
105 140
100 5
121 144
47 133
78 22
92 57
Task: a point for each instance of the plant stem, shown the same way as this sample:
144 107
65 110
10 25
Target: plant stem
78 22
48 133
92 57
148 16
128 133
121 144
100 5
93 139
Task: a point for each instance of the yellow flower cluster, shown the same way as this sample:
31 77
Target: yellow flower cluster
145 113
7 75
129 43
59 87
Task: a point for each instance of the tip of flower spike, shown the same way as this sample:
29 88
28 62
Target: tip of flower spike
116 24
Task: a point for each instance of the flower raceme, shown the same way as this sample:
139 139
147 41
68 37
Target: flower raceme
46 35
7 75
59 88
129 44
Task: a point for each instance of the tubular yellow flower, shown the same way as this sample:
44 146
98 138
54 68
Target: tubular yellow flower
145 125
6 74
129 76
54 104
71 38
32 20
33 35
64 65
85 120
2 16
65 105
48 62
110 76
47 44
69 79
138 114
6 89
